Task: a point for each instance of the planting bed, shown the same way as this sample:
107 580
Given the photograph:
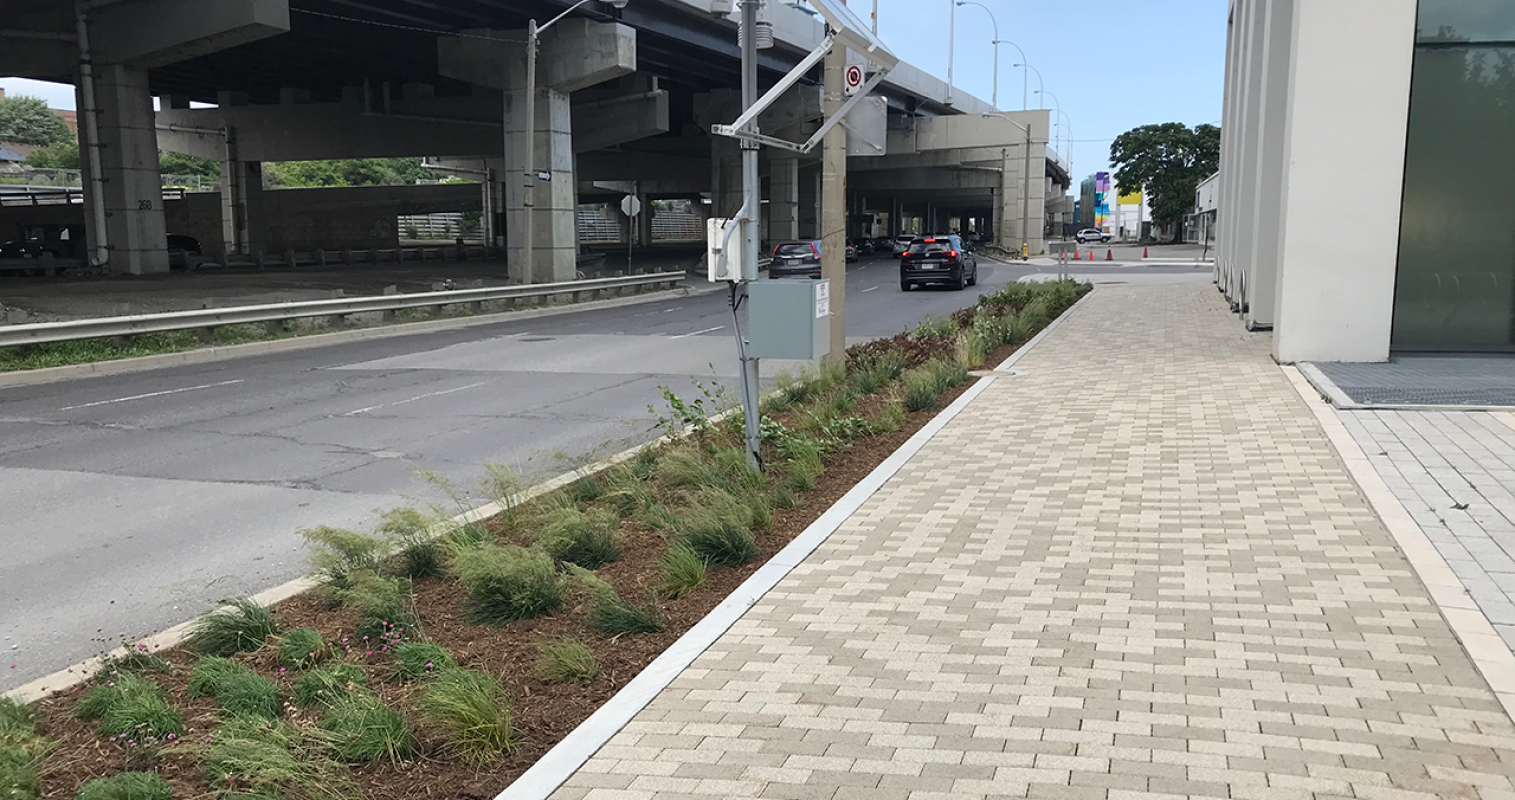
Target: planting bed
489 597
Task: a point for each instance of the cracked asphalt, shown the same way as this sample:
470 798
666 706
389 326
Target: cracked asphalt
130 503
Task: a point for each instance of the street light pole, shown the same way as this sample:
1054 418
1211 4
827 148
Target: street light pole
994 101
1040 84
1025 73
528 232
1025 184
1057 122
951 46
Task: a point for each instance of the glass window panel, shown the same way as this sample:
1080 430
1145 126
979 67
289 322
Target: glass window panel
1465 21
1456 281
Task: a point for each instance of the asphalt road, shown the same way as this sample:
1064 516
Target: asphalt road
133 502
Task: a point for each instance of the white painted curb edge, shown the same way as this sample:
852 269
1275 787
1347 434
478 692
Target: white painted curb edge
1488 651
562 761
1035 340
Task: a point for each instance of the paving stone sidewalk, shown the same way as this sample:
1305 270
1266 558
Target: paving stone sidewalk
1138 571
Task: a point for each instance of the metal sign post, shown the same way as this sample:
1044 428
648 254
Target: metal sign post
631 206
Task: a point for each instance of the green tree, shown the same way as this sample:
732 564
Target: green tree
58 155
344 172
181 164
1168 161
28 120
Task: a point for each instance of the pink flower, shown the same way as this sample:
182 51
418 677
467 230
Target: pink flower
429 665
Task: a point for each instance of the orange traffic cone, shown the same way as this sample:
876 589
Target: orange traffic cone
1144 252
1075 254
1109 255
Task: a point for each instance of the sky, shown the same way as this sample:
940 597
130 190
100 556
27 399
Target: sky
1112 64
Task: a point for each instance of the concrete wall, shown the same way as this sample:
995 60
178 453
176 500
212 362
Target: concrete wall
1292 148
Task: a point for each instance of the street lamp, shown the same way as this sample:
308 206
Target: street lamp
951 47
1057 130
1025 185
994 101
1040 84
533 41
1025 73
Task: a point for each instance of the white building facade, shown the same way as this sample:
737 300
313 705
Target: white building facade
1366 162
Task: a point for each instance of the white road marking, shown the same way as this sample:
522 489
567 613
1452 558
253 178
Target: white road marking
697 333
413 399
149 394
874 288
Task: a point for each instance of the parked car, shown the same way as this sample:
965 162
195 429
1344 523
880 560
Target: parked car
796 259
883 244
902 243
1091 235
21 249
851 253
184 251
864 247
938 259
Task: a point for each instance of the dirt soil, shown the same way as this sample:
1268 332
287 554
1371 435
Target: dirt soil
544 712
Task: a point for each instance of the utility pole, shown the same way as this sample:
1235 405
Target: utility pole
951 44
834 204
528 243
1026 206
752 199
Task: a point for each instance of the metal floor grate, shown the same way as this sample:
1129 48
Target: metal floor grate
1427 381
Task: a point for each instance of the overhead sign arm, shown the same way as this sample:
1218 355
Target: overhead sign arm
842 27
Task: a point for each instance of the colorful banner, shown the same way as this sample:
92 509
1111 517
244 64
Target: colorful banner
1132 199
1102 192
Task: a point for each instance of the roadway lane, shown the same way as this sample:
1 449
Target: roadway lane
133 502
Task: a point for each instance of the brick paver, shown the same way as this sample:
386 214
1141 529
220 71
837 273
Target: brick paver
1138 571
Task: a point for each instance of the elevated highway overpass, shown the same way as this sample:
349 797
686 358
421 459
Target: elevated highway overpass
626 101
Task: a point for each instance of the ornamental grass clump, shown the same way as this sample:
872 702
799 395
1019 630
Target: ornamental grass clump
320 687
127 786
565 661
22 752
683 570
506 584
336 553
383 604
472 712
421 660
301 648
236 688
610 613
412 534
718 528
257 757
588 539
131 706
238 627
364 730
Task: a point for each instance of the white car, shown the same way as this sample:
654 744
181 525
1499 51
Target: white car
902 243
1091 235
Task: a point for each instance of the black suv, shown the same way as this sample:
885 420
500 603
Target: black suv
938 259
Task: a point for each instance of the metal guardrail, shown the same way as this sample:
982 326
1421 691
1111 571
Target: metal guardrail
209 319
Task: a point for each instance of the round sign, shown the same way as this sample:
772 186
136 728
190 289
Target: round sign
854 78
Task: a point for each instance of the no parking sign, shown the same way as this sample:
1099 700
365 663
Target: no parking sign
854 79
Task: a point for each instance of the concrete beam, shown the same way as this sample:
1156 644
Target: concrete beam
575 54
926 180
38 58
618 120
647 167
922 134
152 33
978 156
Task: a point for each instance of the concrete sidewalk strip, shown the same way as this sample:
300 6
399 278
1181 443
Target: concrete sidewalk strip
1138 570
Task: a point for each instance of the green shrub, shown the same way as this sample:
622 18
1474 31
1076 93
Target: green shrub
504 487
685 467
382 603
337 553
718 528
323 686
683 570
877 372
20 774
586 489
657 517
566 661
782 496
302 647
925 384
508 583
587 539
256 757
412 534
804 465
135 660
970 349
364 730
421 660
795 391
931 328
613 615
15 719
238 689
472 711
129 705
645 462
127 786
238 627
465 536
889 420
626 492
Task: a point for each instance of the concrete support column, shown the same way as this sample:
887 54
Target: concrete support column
242 223
784 198
132 190
1336 293
644 220
554 226
1276 23
808 189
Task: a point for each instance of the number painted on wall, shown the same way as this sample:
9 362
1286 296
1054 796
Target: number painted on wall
144 205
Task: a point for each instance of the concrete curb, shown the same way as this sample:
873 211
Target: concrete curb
1488 651
212 354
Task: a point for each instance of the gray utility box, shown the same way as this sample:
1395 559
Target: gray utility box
789 318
